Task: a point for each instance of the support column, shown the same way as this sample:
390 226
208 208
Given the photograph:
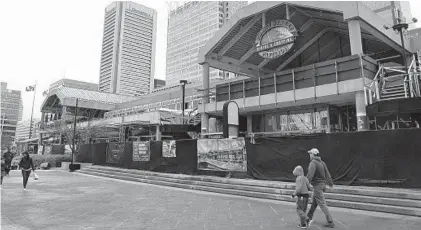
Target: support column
355 40
158 133
205 97
361 111
357 48
42 118
249 124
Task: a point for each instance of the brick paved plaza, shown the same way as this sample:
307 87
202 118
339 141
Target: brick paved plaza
62 200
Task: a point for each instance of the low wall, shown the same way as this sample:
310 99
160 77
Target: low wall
387 158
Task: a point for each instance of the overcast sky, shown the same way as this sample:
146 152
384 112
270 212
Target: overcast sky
47 40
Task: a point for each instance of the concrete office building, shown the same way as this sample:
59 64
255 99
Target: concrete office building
190 26
10 101
389 10
128 49
23 129
20 110
158 83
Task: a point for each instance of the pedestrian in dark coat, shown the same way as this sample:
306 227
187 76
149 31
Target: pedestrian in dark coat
8 157
319 177
27 166
3 169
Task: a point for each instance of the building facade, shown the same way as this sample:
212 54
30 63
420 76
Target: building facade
312 71
23 129
158 83
190 26
128 49
10 101
389 10
73 84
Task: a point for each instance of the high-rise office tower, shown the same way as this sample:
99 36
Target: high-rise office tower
128 49
10 101
190 26
389 11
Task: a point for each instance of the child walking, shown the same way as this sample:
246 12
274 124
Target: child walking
302 191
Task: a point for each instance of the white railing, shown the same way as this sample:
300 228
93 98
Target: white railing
411 77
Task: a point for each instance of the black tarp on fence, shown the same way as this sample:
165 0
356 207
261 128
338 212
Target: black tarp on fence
391 157
84 154
185 161
98 153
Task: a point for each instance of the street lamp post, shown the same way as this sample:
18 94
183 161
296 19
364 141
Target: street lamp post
74 134
401 27
183 91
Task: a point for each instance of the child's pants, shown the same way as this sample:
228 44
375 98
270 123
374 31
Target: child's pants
302 202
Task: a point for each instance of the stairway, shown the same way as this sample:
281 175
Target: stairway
397 201
393 92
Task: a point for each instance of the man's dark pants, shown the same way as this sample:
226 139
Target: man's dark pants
319 199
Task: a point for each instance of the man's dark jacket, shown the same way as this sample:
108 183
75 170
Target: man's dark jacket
318 172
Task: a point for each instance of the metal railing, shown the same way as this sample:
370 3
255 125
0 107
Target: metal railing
377 86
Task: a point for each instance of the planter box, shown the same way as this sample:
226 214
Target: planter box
66 165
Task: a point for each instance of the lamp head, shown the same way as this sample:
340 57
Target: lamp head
183 82
414 20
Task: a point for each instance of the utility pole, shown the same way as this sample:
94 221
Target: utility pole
74 134
32 113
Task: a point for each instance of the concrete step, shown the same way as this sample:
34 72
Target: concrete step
272 196
398 90
350 190
286 191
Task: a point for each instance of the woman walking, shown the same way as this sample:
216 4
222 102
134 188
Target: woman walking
26 165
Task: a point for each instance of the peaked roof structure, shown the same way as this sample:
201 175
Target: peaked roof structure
66 96
233 47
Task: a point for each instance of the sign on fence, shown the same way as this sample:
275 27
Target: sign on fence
222 154
141 151
168 148
40 149
115 152
48 149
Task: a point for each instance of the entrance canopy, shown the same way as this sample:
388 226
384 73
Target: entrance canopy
321 34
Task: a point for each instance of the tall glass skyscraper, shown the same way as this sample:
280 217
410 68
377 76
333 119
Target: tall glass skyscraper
190 26
128 49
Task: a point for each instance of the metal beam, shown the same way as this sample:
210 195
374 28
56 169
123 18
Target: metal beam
337 51
303 48
320 50
250 52
235 62
306 25
242 31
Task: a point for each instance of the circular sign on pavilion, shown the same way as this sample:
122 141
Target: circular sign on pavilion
276 39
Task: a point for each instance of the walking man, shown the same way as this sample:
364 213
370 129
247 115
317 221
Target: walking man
319 177
8 157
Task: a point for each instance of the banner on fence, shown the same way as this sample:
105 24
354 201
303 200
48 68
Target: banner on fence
48 149
168 148
40 148
141 151
222 154
115 152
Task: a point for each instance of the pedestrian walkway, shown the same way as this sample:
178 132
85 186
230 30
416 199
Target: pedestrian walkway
62 200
